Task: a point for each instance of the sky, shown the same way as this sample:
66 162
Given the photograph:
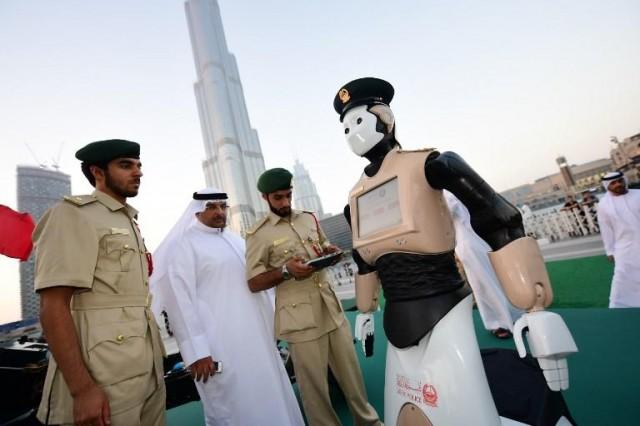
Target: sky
508 84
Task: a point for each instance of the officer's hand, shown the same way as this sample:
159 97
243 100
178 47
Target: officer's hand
333 249
298 269
91 407
202 369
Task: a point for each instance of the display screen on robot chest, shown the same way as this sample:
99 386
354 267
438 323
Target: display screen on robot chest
379 209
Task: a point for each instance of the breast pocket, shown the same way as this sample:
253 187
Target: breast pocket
295 314
119 253
281 253
118 351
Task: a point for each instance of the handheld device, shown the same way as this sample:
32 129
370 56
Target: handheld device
324 261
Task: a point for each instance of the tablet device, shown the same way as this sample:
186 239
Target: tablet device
324 261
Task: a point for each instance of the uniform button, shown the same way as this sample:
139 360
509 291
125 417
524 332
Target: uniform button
293 305
286 251
126 246
320 285
120 338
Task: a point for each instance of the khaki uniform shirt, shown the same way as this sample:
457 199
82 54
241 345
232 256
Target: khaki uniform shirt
92 242
305 309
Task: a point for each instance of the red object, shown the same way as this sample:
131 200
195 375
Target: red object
430 395
149 263
15 233
147 254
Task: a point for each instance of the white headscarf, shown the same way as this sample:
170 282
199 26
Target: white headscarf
162 255
610 177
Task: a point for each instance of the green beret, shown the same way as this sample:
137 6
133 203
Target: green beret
363 91
105 151
274 180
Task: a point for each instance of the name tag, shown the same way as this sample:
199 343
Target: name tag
119 231
280 241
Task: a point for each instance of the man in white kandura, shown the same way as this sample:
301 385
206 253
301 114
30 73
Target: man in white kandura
619 220
200 282
498 315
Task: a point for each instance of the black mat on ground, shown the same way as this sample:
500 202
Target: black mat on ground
520 390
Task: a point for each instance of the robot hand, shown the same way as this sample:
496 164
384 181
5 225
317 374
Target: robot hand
550 342
364 332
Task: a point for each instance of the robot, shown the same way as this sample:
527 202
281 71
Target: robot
403 241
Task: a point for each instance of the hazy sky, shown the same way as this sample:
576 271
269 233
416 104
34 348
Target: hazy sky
508 84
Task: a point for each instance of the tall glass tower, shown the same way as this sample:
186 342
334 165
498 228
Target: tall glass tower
305 194
233 155
38 189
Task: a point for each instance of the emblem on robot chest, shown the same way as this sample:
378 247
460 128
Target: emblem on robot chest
417 391
401 241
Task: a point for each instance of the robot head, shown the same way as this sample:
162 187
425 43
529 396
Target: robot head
363 105
365 127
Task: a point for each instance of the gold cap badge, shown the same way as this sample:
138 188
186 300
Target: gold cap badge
344 96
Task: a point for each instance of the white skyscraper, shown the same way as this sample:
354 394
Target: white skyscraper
305 194
234 158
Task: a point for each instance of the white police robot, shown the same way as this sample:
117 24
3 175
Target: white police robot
403 241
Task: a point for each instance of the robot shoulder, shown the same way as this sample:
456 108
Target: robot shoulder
402 151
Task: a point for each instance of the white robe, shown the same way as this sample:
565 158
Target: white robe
495 309
619 220
213 313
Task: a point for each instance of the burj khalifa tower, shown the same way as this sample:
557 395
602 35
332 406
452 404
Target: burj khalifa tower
234 159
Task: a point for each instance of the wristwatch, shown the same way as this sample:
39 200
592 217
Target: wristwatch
285 272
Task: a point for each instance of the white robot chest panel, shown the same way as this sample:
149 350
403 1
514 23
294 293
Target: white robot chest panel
397 211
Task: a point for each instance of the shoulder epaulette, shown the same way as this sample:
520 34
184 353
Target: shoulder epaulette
315 218
311 213
80 200
417 150
256 226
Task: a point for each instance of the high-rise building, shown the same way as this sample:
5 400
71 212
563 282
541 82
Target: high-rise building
338 231
305 194
233 155
38 189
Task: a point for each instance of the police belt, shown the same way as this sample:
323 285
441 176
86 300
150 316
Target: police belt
89 300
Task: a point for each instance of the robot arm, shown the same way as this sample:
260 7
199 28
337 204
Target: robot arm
367 293
367 282
492 217
517 262
367 287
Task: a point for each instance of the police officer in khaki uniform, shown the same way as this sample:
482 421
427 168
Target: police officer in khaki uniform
92 274
308 314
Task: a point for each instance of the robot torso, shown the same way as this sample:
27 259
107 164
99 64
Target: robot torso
402 227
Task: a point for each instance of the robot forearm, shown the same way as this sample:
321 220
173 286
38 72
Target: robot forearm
522 274
367 291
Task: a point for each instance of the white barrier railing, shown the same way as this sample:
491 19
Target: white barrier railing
562 224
